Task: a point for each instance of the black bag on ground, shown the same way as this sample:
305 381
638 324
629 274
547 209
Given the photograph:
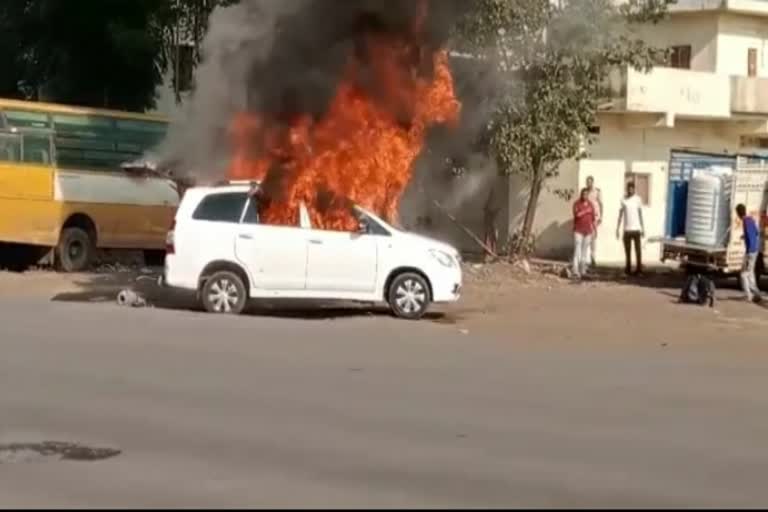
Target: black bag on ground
698 289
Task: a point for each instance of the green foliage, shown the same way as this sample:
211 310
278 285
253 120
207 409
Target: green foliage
184 21
101 53
90 52
10 48
551 60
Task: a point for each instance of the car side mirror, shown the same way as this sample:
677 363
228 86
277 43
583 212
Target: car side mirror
363 227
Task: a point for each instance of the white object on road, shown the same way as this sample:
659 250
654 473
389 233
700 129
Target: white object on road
219 248
130 298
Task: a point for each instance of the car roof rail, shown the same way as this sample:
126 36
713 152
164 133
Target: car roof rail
252 183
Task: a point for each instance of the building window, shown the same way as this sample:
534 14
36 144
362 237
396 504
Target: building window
642 183
680 57
752 62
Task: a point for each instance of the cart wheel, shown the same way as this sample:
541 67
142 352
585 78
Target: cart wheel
759 270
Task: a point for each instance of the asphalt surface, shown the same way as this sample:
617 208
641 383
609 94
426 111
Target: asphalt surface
366 412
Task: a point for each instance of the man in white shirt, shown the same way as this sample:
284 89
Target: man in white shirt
596 198
631 213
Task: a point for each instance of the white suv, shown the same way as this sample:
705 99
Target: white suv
218 247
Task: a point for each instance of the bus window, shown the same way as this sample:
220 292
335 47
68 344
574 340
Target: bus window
27 119
10 147
37 149
84 141
82 120
130 147
80 143
82 125
143 135
141 126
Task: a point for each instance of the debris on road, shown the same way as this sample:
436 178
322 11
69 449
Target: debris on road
130 298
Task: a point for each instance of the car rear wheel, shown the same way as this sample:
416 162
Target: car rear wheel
409 296
225 293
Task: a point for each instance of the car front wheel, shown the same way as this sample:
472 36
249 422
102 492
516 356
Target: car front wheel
409 296
224 292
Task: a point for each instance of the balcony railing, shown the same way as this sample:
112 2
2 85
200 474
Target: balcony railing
681 92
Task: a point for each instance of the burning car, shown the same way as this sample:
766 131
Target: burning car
222 247
330 123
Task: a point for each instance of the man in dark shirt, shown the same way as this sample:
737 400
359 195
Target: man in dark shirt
752 246
583 229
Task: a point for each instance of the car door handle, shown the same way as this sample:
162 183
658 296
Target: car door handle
316 242
245 237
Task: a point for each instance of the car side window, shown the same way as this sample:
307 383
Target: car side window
251 212
377 229
374 228
223 207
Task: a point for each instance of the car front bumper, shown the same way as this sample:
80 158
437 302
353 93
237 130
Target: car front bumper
447 285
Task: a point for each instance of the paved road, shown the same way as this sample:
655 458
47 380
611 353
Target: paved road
367 412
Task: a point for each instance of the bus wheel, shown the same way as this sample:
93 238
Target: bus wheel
75 250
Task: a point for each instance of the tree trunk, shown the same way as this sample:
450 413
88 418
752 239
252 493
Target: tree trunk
530 211
177 57
490 213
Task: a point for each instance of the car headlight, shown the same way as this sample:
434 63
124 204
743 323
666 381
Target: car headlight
444 258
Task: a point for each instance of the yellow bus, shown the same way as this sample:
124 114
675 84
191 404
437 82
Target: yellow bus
62 186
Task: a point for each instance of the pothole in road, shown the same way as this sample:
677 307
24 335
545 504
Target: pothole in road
14 453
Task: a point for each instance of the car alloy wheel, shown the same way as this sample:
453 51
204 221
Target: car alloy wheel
409 296
224 293
223 296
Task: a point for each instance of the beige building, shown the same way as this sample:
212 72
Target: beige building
712 98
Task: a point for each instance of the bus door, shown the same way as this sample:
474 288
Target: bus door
28 213
26 164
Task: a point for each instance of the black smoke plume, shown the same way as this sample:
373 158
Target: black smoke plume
282 58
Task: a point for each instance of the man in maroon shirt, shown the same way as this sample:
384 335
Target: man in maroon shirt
583 229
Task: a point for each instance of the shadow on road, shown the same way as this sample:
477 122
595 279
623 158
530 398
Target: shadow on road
664 279
104 288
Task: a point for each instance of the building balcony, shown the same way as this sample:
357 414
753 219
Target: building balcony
677 93
749 7
749 95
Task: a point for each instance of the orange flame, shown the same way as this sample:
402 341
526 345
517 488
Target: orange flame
363 148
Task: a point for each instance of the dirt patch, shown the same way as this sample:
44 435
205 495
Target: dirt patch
537 304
